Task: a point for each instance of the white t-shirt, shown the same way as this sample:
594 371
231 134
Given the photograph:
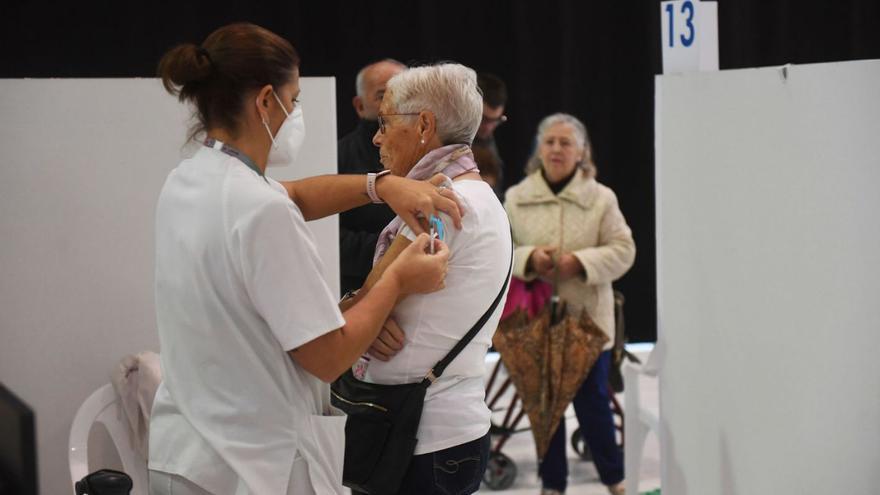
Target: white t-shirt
455 410
238 283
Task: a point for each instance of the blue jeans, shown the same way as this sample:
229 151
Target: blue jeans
454 471
593 410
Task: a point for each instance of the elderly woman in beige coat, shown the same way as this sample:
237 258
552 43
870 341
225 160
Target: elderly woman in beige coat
568 229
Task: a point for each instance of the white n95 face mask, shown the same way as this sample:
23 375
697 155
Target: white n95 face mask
289 139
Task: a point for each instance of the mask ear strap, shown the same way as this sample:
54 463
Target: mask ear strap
265 121
269 132
283 108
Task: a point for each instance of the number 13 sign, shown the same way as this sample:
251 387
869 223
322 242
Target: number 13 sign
689 31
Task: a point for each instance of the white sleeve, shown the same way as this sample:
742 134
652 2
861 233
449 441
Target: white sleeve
283 274
451 232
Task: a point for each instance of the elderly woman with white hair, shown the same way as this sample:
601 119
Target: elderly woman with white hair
568 229
427 121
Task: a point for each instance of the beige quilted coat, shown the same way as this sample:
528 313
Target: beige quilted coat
583 219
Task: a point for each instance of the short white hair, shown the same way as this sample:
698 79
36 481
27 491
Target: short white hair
448 90
580 134
359 79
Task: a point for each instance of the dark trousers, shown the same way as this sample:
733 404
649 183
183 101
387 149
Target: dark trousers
454 471
593 410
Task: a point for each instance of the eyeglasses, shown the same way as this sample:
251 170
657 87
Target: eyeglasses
494 120
383 120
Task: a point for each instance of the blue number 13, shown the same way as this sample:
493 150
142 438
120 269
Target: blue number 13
689 22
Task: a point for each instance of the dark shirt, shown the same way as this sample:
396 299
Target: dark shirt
557 187
359 228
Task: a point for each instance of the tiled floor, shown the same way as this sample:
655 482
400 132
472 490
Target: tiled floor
583 478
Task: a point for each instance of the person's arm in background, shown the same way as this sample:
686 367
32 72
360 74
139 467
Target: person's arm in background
614 254
529 261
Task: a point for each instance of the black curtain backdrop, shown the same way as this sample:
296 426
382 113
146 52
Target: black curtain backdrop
594 59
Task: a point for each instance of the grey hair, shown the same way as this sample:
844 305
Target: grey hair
580 134
359 80
448 90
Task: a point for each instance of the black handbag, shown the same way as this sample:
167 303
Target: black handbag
380 432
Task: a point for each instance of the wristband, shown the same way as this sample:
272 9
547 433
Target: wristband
371 185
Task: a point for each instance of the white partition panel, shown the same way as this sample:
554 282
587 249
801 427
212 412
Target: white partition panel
81 165
769 280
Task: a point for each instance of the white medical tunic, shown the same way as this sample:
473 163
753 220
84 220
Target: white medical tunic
239 283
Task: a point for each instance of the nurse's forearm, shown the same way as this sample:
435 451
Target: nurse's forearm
318 197
329 355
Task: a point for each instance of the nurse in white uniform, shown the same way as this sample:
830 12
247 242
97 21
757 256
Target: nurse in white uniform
249 331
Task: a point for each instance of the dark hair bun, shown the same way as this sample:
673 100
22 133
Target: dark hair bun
217 75
182 66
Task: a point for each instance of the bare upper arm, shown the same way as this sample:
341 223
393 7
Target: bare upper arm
291 190
400 243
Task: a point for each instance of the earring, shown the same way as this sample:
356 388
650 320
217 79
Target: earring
423 141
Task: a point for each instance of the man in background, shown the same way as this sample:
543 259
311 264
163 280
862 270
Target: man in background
494 99
359 228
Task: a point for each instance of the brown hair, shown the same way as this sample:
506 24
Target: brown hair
486 161
493 88
215 76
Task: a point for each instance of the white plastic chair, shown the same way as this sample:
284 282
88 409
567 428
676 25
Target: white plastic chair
101 407
639 422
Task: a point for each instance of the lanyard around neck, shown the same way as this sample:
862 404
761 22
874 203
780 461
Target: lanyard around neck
235 153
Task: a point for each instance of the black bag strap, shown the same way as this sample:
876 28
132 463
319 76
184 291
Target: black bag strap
441 365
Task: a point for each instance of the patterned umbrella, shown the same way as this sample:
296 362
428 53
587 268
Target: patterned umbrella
548 357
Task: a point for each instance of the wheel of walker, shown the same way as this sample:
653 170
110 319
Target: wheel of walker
580 446
500 472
